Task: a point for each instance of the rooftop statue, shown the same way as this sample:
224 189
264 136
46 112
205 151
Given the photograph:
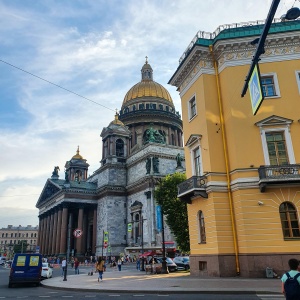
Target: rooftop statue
55 171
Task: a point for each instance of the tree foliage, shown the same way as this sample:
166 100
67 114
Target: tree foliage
174 209
21 247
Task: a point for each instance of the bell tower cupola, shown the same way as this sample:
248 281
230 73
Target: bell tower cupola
147 72
76 169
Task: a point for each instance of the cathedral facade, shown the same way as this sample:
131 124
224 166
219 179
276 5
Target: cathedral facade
114 210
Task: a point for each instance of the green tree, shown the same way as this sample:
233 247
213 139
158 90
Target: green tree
174 209
21 247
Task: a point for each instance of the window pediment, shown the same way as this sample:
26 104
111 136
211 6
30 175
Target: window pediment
274 120
193 139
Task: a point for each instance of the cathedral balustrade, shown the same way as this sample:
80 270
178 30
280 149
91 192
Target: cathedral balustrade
147 111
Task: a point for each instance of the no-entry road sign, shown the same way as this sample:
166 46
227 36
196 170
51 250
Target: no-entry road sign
77 233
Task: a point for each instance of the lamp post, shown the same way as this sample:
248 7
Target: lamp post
164 269
142 232
68 248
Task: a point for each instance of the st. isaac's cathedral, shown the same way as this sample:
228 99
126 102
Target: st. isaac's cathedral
115 206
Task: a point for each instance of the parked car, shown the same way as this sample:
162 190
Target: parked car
2 260
172 267
47 270
25 268
182 262
8 264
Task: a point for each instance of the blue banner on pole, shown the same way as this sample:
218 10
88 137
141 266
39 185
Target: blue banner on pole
158 218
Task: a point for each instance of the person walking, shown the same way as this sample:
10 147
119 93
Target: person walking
138 264
72 262
291 281
119 264
100 267
63 266
76 265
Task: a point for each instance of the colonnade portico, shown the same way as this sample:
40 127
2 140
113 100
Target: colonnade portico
54 229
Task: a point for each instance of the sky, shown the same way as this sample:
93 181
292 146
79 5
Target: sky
94 50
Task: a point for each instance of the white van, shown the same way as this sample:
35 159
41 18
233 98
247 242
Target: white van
2 260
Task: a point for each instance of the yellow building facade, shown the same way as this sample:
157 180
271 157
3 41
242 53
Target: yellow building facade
243 170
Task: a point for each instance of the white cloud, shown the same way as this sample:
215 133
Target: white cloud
96 49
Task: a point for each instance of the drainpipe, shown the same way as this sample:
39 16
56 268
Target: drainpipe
226 163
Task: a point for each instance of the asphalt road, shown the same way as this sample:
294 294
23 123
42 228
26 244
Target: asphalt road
32 292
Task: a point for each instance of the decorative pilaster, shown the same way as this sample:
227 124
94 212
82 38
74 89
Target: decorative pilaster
94 230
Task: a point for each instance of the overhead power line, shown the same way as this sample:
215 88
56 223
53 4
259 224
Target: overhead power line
5 62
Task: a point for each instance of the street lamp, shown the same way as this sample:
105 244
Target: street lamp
142 232
164 269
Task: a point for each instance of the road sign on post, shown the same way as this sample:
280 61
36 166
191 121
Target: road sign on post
105 244
256 93
129 227
77 233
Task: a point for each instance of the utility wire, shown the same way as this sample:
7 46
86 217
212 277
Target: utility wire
55 85
19 195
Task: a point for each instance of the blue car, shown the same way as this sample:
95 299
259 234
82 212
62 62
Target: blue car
25 268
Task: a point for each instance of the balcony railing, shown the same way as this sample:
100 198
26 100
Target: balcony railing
283 174
194 186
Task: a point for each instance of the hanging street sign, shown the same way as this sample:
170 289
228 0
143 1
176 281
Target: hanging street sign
77 233
256 93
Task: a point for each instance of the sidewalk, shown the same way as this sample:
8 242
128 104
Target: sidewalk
178 282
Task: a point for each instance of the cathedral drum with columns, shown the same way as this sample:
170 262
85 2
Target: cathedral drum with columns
116 205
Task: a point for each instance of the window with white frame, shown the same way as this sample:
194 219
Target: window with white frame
270 86
298 79
193 144
197 161
276 140
277 148
192 107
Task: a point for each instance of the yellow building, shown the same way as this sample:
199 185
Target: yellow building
243 170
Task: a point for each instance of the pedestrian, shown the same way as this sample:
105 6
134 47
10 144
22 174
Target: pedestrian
291 281
72 262
76 265
100 268
138 264
119 264
63 266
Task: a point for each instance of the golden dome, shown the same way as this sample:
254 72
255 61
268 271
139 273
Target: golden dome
77 155
147 87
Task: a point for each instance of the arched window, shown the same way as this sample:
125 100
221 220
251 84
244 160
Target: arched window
78 175
201 226
289 220
137 235
119 148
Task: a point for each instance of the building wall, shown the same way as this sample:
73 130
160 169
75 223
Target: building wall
111 217
242 236
11 235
